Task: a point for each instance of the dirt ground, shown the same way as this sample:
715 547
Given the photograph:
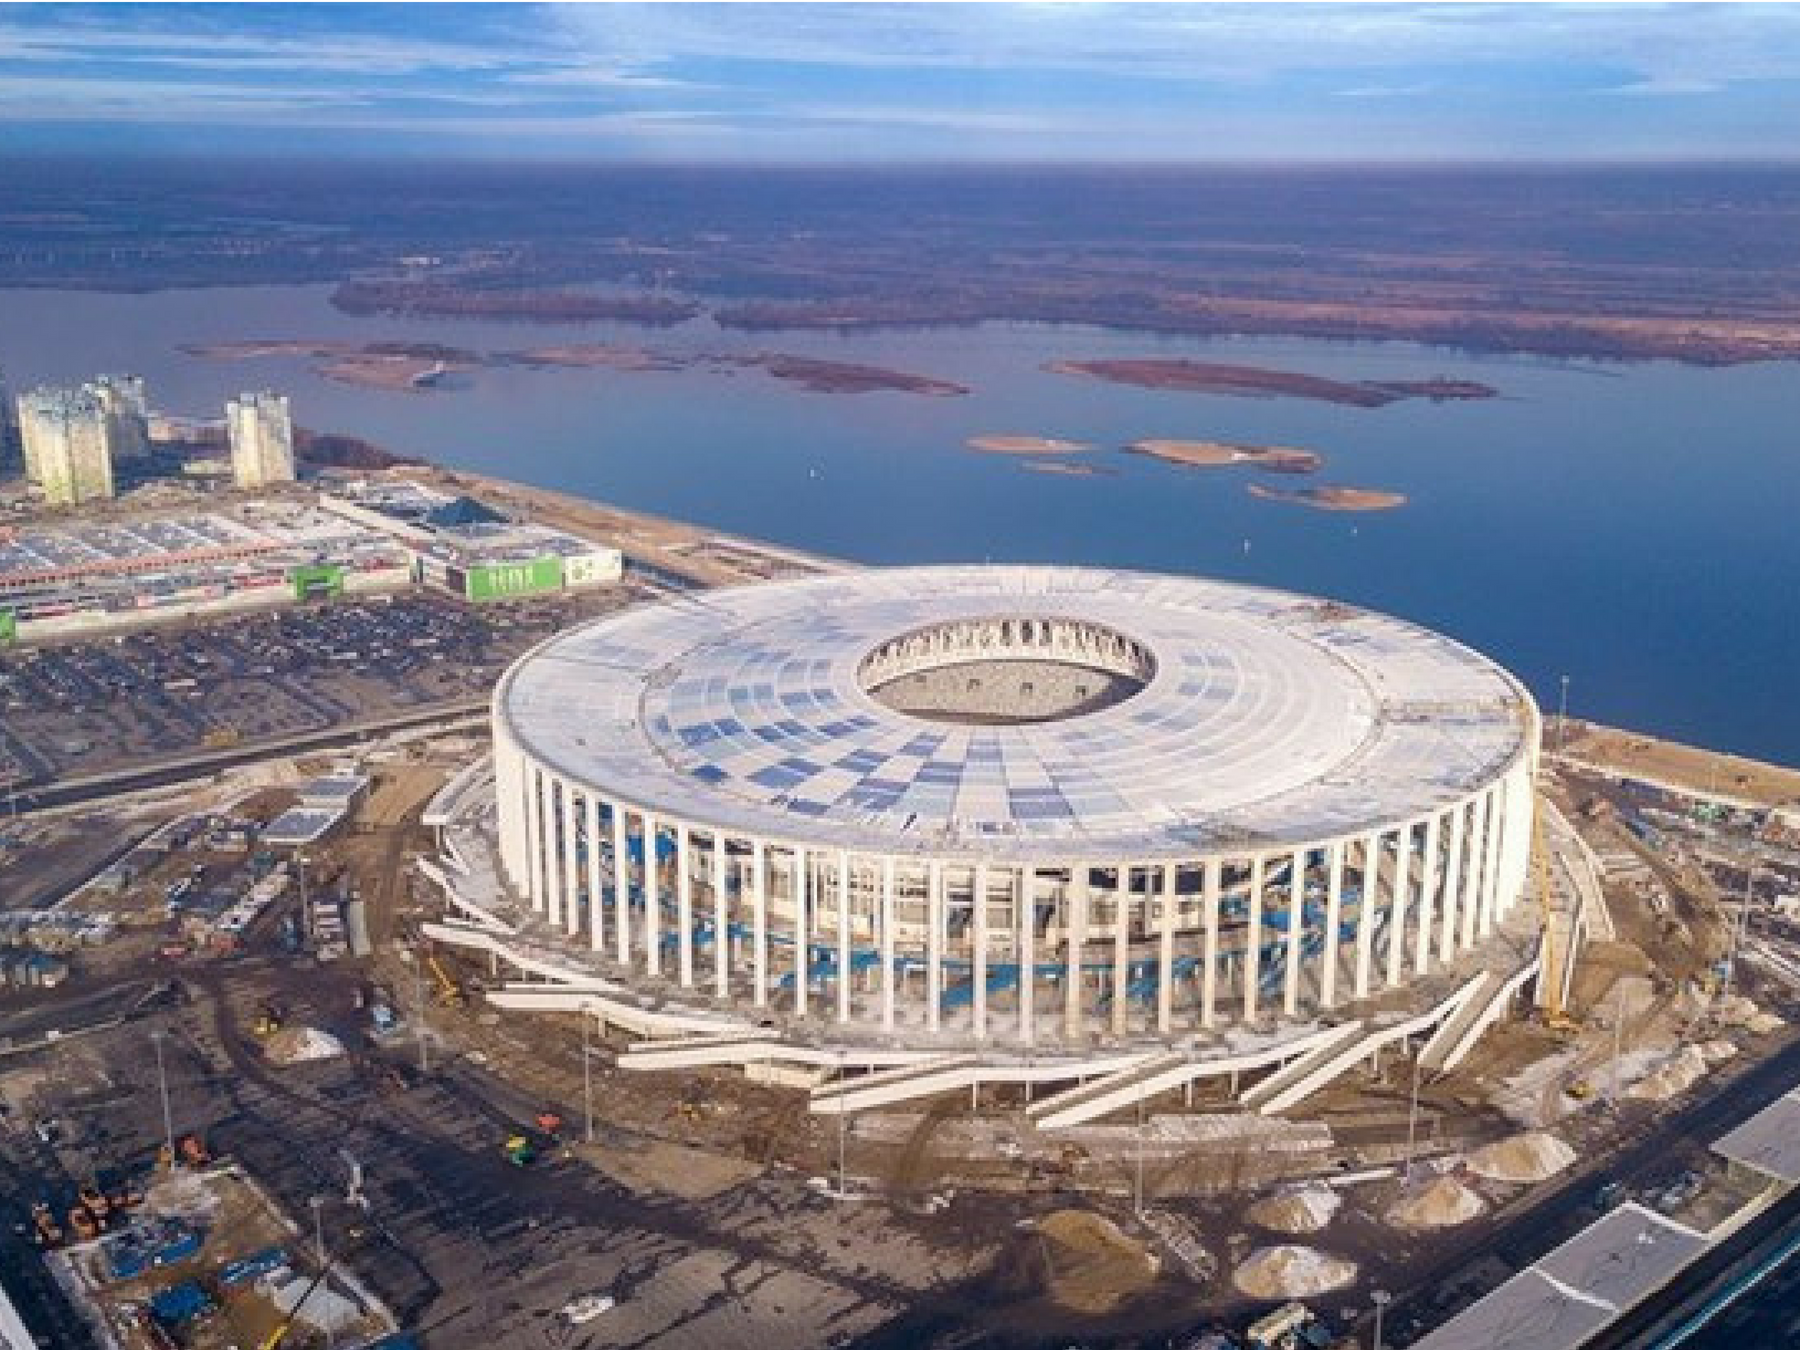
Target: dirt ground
1090 1265
1685 765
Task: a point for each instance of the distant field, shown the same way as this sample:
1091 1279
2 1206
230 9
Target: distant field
1698 265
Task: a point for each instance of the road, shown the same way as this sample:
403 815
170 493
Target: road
1437 1288
77 792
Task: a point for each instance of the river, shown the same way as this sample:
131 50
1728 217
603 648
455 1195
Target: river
1634 525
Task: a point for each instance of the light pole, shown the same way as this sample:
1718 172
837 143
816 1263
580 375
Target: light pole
1737 931
843 1134
1137 1190
162 1082
306 918
587 1077
318 1204
419 1009
1412 1119
1381 1298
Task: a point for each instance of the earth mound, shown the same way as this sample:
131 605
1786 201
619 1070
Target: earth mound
299 1045
1292 1271
1093 1267
1528 1157
1305 1210
1441 1203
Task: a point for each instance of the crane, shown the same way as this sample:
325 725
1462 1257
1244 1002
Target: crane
1551 976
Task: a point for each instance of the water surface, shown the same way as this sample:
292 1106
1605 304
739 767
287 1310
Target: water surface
1634 525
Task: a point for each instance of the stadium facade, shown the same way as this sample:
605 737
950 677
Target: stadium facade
1013 808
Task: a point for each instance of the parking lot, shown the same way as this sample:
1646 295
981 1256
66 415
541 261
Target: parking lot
86 707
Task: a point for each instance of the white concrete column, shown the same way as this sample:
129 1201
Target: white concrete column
887 943
1290 993
621 884
1121 945
978 961
532 882
1209 950
721 918
1165 982
1397 925
684 906
802 935
1428 879
1077 902
511 822
1334 900
652 896
551 814
934 944
843 937
1452 887
1490 886
1253 954
596 878
1367 910
759 924
571 864
1469 902
1026 947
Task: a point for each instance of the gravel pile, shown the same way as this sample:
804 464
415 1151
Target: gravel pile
1305 1210
1292 1271
1441 1203
1524 1158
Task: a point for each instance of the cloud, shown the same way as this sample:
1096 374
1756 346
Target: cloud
1670 86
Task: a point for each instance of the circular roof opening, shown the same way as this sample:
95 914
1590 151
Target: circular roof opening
1006 671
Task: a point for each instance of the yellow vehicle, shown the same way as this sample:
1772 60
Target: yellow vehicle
1581 1089
449 992
268 1020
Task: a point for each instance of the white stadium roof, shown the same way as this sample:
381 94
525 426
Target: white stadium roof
1271 718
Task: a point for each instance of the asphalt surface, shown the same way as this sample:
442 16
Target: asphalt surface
1438 1288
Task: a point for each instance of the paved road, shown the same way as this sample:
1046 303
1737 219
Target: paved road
1439 1287
60 795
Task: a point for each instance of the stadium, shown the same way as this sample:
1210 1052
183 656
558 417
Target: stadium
893 815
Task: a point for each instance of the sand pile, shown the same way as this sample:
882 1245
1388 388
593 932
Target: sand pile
1674 1076
1092 1267
1633 995
297 1045
1528 1157
1304 1210
1292 1271
1738 1011
1442 1203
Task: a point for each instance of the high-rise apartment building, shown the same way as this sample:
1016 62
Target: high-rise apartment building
8 426
127 414
262 439
68 453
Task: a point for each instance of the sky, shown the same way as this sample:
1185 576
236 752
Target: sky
870 83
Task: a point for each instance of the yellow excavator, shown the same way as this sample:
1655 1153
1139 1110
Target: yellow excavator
1555 1016
449 992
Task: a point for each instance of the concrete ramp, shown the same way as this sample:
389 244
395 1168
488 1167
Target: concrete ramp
1303 1075
765 1048
1485 998
1112 1091
616 1009
942 1073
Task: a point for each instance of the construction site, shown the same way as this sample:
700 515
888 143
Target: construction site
482 1153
